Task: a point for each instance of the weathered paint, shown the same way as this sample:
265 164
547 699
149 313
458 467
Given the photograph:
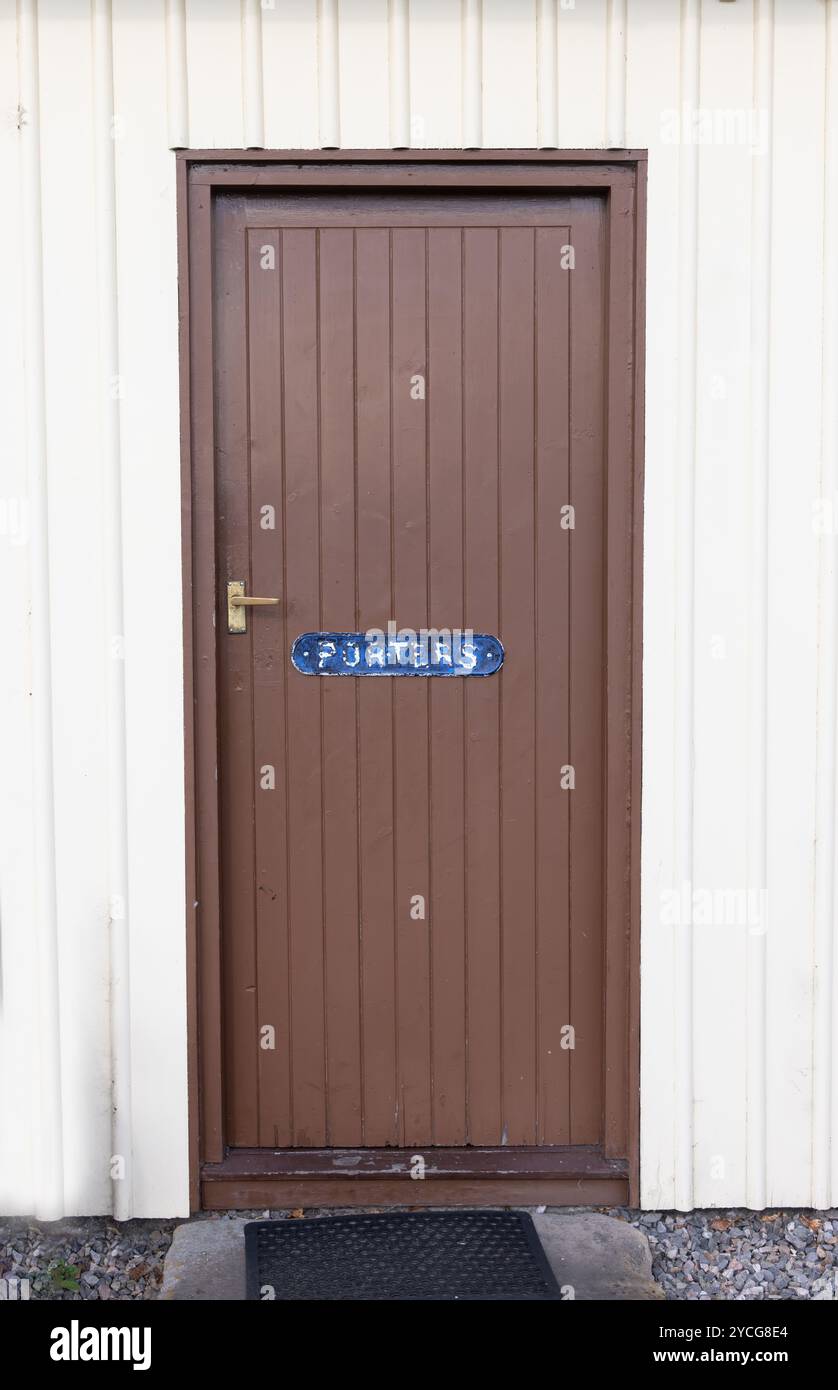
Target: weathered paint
737 105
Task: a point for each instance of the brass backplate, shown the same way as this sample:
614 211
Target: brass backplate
236 617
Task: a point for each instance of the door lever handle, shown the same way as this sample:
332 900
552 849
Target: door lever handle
238 602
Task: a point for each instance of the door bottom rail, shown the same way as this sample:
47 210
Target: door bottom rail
574 1175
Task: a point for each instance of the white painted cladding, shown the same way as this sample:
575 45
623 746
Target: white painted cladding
739 1077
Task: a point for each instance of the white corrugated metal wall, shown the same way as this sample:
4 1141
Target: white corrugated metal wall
737 105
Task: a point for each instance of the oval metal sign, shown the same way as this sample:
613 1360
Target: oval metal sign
430 653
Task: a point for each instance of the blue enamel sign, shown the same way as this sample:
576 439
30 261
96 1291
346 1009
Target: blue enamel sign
403 653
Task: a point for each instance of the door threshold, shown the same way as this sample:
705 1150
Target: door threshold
508 1176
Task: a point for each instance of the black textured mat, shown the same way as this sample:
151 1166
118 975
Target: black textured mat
446 1255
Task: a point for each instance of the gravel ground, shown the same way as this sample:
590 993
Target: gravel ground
742 1255
84 1259
706 1255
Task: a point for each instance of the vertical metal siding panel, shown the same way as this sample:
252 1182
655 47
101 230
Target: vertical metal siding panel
105 132
214 66
582 73
653 89
615 84
472 73
435 86
289 56
76 389
796 321
684 584
722 515
547 57
328 74
824 1070
146 286
399 73
757 672
253 109
19 1061
177 82
510 116
364 75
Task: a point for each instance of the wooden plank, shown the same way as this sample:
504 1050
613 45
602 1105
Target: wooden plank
340 771
410 697
587 696
482 708
578 1161
375 718
446 701
303 730
273 1194
552 683
516 617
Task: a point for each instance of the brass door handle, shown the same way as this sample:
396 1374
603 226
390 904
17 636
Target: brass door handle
238 601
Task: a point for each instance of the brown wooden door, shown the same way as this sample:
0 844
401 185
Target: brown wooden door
410 424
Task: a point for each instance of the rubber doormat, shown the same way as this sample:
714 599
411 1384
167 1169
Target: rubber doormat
445 1255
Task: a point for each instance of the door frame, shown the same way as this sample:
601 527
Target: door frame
250 1178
